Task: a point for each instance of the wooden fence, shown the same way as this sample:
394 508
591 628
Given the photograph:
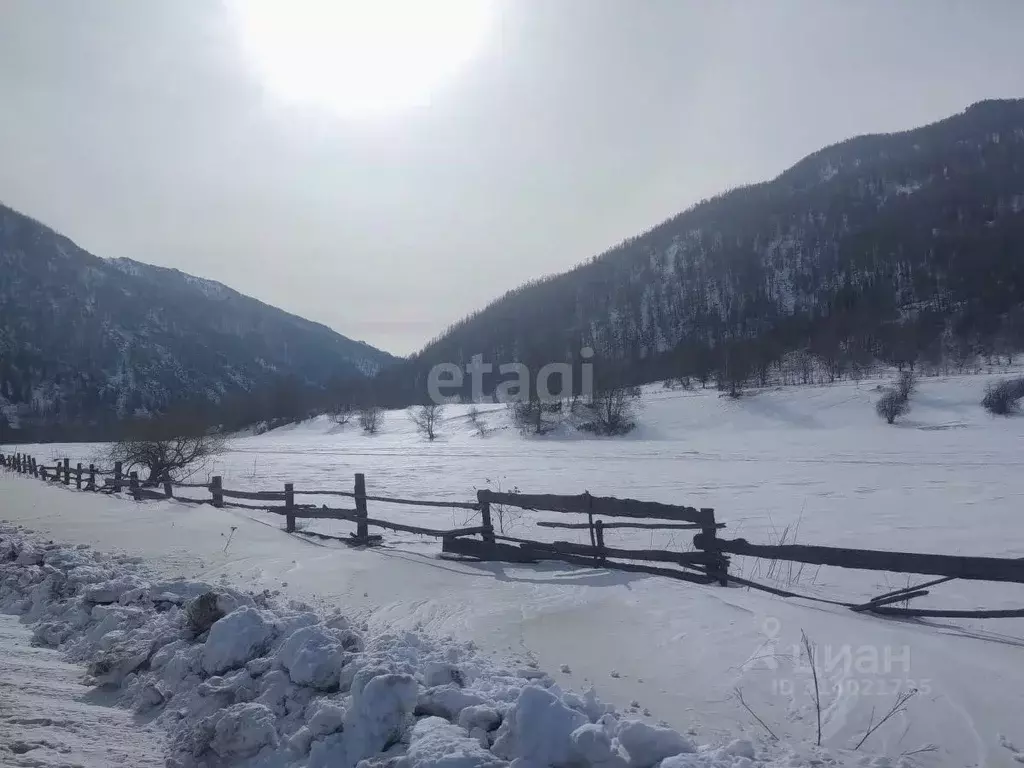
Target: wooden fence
707 563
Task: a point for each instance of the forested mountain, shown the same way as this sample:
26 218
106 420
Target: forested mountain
84 340
895 247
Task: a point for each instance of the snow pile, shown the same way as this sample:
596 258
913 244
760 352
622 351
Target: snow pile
243 679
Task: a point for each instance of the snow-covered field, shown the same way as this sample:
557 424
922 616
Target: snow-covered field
948 480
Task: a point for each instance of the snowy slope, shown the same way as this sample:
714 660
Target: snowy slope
946 480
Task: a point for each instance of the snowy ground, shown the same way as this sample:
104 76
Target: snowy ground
49 718
946 480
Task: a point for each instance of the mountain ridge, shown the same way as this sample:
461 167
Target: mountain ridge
829 256
84 339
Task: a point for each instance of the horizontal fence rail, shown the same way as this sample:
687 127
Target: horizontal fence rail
608 506
959 567
707 563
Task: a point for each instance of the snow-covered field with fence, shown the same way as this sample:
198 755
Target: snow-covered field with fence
723 668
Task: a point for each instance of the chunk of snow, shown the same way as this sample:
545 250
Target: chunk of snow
479 716
538 728
242 730
238 637
436 743
593 744
442 673
648 744
380 712
740 748
110 591
446 701
313 657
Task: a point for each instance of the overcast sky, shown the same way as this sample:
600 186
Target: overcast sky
144 129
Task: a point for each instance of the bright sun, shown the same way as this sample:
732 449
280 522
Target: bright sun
360 57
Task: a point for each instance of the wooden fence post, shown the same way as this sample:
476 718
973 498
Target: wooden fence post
485 516
67 471
118 477
289 507
362 528
133 484
78 476
33 466
590 517
42 472
216 485
92 478
599 530
17 461
707 537
168 488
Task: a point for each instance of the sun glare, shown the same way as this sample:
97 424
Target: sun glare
359 57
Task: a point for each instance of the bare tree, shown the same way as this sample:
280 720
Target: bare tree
906 384
611 411
528 416
370 417
426 418
342 414
891 405
165 452
804 364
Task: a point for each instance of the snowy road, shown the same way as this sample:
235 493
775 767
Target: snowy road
49 719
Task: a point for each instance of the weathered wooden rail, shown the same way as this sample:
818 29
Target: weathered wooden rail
708 562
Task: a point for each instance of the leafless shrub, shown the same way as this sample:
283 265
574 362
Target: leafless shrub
891 405
783 572
476 420
503 513
906 384
370 417
900 705
530 416
426 418
611 411
1003 397
342 414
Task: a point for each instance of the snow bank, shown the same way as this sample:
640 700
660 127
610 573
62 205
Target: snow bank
242 679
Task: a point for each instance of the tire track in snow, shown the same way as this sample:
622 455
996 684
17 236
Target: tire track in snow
46 719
